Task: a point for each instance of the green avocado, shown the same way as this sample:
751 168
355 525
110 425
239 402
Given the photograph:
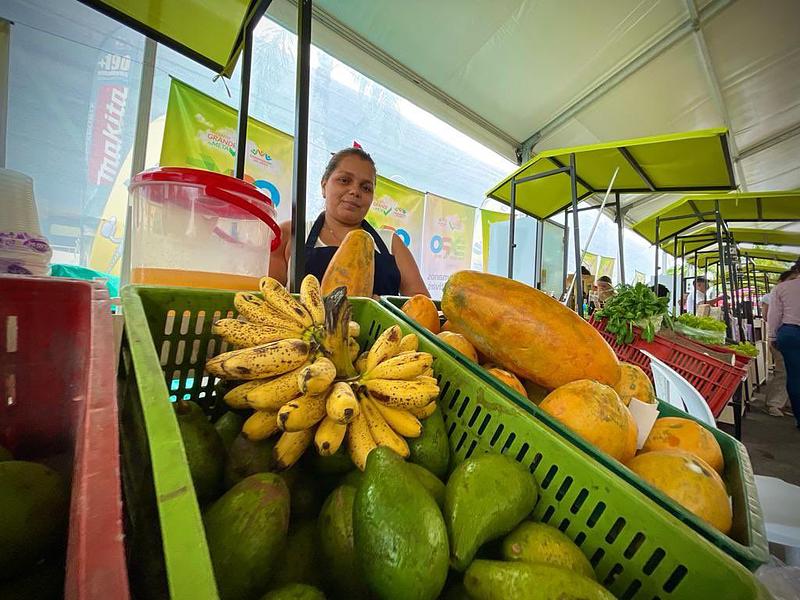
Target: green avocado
34 502
486 497
430 482
246 534
205 452
498 580
432 449
246 458
228 426
295 591
343 571
337 463
399 533
299 562
305 492
539 543
5 454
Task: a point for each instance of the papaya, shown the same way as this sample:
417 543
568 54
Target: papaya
509 379
33 514
527 332
677 433
352 266
688 480
595 412
460 343
634 383
423 311
246 533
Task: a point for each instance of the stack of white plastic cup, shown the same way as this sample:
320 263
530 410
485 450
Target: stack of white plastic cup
23 248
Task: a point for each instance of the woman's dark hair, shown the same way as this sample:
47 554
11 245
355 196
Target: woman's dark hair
786 274
585 271
605 279
661 290
338 156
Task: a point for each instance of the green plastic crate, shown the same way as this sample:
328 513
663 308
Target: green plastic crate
637 549
747 542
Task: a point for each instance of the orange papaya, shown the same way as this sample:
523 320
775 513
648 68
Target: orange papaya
527 332
352 266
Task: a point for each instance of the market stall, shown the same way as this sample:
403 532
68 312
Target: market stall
275 442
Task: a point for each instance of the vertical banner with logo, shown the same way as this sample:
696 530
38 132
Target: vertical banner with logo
488 218
109 138
447 233
639 277
590 262
605 267
200 132
399 209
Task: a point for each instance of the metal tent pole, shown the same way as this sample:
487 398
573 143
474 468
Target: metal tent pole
537 259
300 170
244 101
658 247
677 304
683 277
565 255
573 186
511 226
620 235
728 330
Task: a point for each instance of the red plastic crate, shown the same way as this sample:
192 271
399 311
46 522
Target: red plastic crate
715 380
58 384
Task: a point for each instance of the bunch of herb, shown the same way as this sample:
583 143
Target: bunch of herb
630 304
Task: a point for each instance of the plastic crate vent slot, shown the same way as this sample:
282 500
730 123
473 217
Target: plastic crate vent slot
190 382
580 538
631 590
509 441
548 514
523 450
11 333
487 418
169 322
193 359
185 318
473 444
537 458
564 488
463 407
497 433
598 511
474 417
212 344
179 352
579 500
164 358
461 441
198 325
451 429
675 578
456 394
548 478
443 390
634 546
597 557
564 525
612 575
655 559
615 530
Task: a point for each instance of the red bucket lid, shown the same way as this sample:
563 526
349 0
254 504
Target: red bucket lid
233 195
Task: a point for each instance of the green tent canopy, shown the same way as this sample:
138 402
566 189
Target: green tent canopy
763 237
207 31
733 207
712 256
683 162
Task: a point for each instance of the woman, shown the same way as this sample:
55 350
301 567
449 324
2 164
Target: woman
784 332
348 185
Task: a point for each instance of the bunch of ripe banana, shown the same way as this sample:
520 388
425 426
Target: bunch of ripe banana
297 361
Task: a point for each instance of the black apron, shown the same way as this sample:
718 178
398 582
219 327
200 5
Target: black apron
387 275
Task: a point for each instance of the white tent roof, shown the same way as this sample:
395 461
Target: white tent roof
573 72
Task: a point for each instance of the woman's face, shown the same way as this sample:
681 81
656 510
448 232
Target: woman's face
349 189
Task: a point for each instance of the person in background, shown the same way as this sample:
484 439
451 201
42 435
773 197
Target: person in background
775 396
697 295
660 290
783 325
348 187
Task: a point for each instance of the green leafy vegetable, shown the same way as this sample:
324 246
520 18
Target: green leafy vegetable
745 348
633 305
707 323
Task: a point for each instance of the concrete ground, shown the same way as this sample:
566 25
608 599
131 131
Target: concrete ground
773 443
